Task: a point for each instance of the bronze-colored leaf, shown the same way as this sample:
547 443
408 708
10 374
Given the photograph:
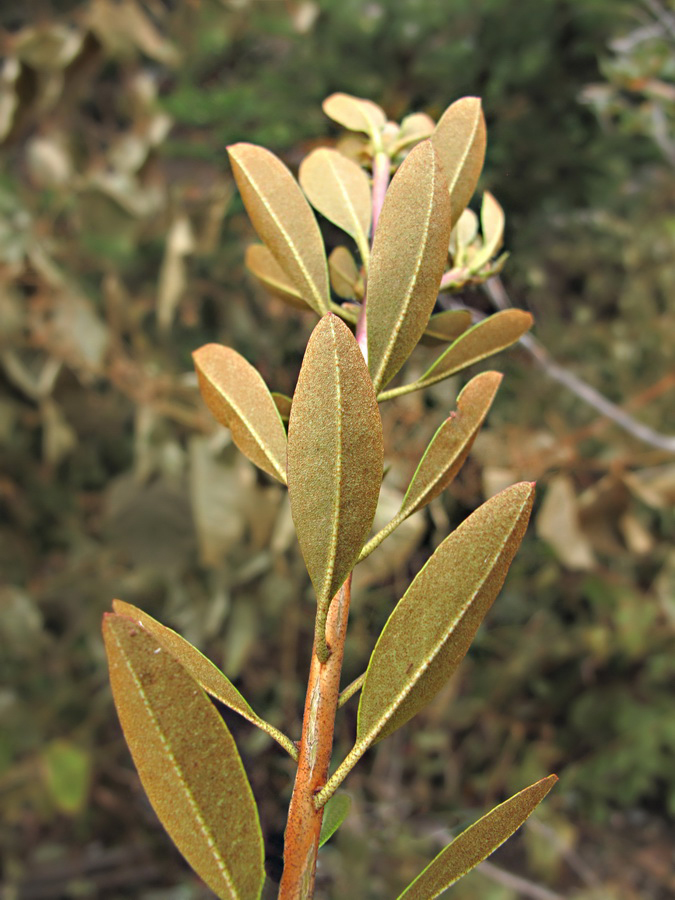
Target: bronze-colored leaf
335 456
261 263
414 128
451 444
334 814
460 140
446 326
492 223
355 114
187 761
477 842
431 629
283 220
410 250
205 673
238 397
339 189
344 274
283 403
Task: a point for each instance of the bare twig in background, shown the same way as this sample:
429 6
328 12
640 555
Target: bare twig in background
496 291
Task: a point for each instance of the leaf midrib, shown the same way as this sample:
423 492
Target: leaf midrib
267 452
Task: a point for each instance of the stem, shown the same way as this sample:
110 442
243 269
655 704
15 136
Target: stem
381 167
303 828
351 689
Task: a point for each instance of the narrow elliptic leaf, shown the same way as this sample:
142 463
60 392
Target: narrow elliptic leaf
409 254
355 114
334 814
283 220
205 673
460 140
283 405
338 188
187 761
260 262
477 842
237 396
344 273
451 444
492 223
486 338
335 455
414 128
446 326
429 632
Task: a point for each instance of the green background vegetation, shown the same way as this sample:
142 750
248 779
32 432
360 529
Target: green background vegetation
121 251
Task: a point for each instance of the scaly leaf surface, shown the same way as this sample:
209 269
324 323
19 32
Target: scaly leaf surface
344 273
239 399
446 326
355 114
187 761
261 263
460 139
283 219
410 250
334 814
477 842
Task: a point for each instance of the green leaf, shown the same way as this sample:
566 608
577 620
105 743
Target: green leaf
283 220
344 273
187 761
335 457
356 114
446 326
334 814
477 842
67 771
460 140
452 442
431 629
260 262
492 223
410 250
338 188
205 673
238 398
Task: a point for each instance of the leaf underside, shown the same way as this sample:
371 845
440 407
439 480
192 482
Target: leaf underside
460 140
355 113
446 326
334 814
262 264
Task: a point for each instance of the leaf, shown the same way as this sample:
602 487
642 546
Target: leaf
446 326
344 273
431 629
187 762
492 223
283 220
205 673
260 262
460 140
335 456
338 188
283 405
410 250
477 842
356 114
451 444
486 338
334 814
237 396
415 127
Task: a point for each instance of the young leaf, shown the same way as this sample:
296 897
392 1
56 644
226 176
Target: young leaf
477 842
283 220
414 128
492 223
410 250
460 140
338 188
446 326
356 114
239 399
187 762
260 262
431 628
452 442
335 456
205 673
344 274
334 814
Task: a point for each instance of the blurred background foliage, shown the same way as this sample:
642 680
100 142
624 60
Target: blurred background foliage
121 251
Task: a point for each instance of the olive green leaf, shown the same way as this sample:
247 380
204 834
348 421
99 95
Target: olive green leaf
237 396
187 761
460 140
344 274
260 262
410 250
334 814
335 458
446 326
477 842
205 673
431 628
283 220
492 223
356 114
338 188
283 405
451 444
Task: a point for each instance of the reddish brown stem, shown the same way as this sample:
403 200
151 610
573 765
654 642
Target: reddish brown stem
301 843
